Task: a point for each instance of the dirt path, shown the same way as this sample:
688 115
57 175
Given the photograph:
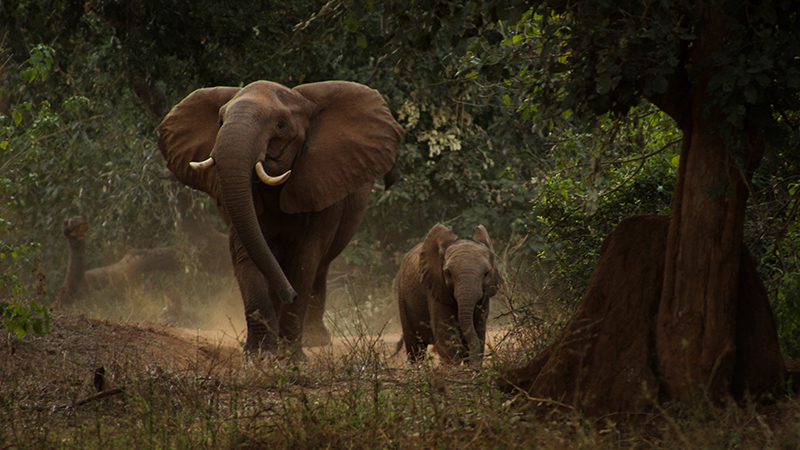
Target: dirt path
340 345
77 346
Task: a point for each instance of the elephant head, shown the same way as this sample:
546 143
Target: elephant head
464 273
312 145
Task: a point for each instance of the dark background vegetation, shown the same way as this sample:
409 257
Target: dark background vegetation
84 84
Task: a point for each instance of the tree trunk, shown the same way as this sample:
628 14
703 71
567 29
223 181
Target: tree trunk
696 324
606 360
675 308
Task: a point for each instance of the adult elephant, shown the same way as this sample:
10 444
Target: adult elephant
290 171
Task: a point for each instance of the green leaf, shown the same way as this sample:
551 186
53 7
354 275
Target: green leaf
603 85
750 94
36 325
676 161
361 40
493 36
17 116
660 85
352 23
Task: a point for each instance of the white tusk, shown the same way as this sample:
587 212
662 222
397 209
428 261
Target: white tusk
202 165
268 179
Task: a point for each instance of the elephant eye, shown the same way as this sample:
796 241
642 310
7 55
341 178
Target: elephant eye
281 125
447 273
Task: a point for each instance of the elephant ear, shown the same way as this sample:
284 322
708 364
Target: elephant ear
431 260
188 133
482 236
351 140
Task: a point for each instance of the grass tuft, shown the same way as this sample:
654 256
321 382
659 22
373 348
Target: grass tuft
179 388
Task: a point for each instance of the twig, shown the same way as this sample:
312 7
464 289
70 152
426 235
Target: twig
539 400
374 70
99 395
666 146
625 181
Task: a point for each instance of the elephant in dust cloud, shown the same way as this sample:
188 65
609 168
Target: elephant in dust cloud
207 243
135 263
290 171
444 286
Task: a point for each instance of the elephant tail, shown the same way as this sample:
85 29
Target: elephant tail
398 347
391 177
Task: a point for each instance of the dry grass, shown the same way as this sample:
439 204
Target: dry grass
178 388
358 398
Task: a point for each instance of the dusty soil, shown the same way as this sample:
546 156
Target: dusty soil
63 362
60 367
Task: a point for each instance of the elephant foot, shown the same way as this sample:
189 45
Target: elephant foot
298 356
316 336
282 350
258 346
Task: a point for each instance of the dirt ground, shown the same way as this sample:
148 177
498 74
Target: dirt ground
61 365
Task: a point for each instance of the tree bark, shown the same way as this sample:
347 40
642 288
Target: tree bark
675 308
696 324
606 360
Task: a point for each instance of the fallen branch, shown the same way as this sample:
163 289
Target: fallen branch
98 396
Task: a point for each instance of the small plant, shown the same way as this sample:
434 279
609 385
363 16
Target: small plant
22 320
16 317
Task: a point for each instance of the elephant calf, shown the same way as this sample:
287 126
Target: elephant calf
444 286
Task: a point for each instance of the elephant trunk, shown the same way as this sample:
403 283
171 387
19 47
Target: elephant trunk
467 299
235 166
76 269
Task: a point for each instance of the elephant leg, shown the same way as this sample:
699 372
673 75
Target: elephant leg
481 317
259 308
417 334
300 270
414 348
417 343
314 332
447 334
347 216
262 322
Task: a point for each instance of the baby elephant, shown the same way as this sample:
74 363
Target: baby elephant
443 290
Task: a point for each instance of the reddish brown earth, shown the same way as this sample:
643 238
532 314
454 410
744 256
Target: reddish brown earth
60 366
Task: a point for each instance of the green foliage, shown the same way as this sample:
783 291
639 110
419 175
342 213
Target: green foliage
569 67
787 319
39 66
69 155
14 259
529 121
466 158
21 320
774 232
598 178
590 58
21 273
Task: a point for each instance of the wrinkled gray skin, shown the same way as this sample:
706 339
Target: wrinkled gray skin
443 290
335 137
